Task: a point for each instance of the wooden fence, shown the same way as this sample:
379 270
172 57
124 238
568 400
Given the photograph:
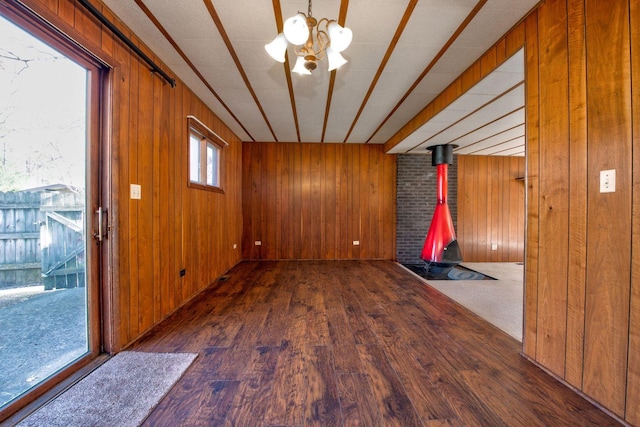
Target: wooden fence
41 239
63 262
20 254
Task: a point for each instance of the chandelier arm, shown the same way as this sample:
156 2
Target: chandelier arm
326 22
302 50
323 41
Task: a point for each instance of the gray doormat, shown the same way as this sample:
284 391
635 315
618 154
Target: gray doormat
121 392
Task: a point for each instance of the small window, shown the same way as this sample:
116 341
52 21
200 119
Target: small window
213 165
205 156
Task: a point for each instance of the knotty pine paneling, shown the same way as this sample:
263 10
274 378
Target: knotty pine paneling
491 208
172 227
311 201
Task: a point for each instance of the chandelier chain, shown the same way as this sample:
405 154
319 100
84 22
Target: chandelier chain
309 9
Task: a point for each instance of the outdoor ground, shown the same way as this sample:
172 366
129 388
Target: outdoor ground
40 332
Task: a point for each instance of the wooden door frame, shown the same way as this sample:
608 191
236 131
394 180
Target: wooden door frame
48 28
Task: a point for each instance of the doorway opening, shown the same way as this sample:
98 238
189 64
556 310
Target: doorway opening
487 193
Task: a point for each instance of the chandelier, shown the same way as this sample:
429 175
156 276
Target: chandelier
312 41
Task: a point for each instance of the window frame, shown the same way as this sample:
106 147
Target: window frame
207 138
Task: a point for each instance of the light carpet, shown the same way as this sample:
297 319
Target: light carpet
497 301
121 392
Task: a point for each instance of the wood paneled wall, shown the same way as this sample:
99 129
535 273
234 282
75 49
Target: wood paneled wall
171 227
582 282
491 208
311 201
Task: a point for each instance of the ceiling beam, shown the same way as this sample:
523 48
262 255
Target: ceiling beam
342 17
277 11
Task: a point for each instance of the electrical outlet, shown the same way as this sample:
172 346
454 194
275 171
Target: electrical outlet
608 181
356 243
235 246
258 243
136 192
494 246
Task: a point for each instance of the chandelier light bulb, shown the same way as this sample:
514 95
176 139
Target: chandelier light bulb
300 68
335 59
277 48
340 36
296 30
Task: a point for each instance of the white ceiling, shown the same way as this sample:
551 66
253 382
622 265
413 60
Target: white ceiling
216 47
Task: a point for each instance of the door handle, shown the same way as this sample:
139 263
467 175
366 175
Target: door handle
100 233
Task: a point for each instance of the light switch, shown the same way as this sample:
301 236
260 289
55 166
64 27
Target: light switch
136 191
608 181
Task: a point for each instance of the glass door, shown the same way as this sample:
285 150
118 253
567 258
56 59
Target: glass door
47 272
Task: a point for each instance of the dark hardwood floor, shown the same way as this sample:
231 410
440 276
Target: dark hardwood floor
333 343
